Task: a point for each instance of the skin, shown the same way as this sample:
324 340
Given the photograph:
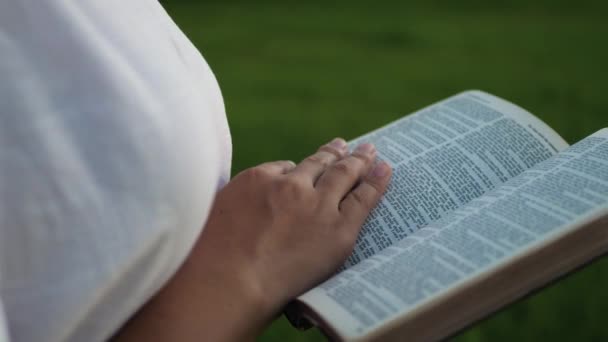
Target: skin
275 231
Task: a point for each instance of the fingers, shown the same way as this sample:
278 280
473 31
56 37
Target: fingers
313 166
278 167
340 177
363 198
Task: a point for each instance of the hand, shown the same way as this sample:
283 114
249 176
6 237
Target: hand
274 231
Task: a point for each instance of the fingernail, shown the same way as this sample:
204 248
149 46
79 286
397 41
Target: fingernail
338 143
365 148
381 170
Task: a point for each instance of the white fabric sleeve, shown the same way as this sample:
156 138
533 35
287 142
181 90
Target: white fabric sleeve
112 146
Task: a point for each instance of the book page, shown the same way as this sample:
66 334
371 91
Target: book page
527 212
446 155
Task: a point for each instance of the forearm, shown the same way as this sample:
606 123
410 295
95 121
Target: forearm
203 301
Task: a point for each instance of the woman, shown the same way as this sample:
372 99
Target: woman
117 217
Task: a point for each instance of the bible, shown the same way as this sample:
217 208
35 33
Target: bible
487 203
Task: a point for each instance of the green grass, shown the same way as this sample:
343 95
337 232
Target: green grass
295 74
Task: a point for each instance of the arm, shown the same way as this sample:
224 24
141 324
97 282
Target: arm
274 231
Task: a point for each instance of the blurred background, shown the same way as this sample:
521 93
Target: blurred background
295 74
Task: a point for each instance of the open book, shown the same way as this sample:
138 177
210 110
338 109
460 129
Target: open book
486 204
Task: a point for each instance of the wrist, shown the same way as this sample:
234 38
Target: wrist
226 283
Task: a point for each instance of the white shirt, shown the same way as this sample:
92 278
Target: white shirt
113 142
